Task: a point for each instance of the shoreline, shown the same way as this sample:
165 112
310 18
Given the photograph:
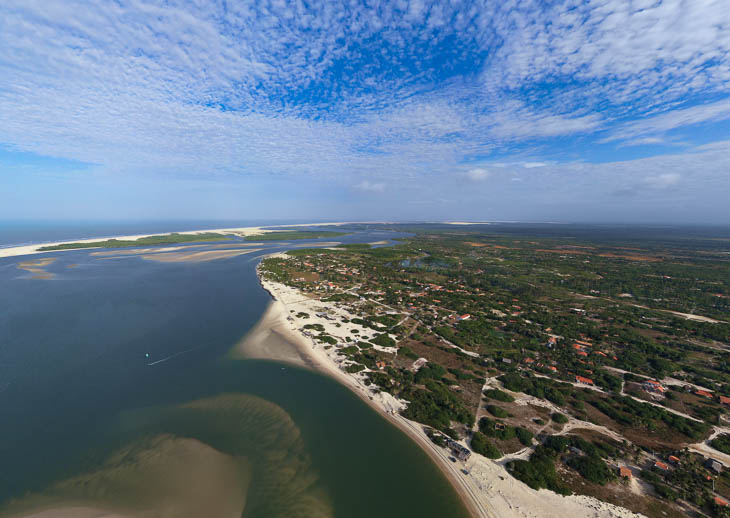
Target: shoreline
486 491
20 250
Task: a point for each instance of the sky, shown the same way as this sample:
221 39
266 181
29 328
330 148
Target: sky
524 110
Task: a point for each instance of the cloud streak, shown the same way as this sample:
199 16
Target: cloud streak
360 94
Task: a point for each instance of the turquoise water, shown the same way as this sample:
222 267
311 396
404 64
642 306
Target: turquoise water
116 392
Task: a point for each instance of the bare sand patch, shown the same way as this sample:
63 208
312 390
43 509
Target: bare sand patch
161 476
139 251
272 339
38 268
197 257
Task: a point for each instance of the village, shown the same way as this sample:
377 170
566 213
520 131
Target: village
493 365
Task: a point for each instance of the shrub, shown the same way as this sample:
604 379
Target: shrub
483 446
497 411
559 418
591 468
499 395
524 435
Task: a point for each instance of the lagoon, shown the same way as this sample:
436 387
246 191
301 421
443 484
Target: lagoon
114 376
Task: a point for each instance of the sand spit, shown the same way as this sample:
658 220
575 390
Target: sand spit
237 231
272 339
197 257
38 268
139 251
488 489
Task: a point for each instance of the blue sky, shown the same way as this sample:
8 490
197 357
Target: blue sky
606 110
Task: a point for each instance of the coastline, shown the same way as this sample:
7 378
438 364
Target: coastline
13 251
487 490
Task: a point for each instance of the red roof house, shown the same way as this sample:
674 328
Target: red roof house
624 472
725 400
585 381
703 393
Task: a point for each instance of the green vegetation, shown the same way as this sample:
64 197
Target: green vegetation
294 235
557 316
592 468
722 443
498 395
497 411
165 239
483 446
559 418
539 472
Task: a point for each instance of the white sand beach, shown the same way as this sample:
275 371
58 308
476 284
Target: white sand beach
488 490
238 231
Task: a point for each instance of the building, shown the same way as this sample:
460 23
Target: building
714 465
721 502
703 393
459 451
661 466
673 459
624 472
653 386
584 381
725 400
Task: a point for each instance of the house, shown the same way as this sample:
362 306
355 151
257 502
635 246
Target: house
582 353
584 381
661 466
459 451
529 360
721 502
465 316
653 386
673 459
725 400
714 465
624 472
703 393
380 364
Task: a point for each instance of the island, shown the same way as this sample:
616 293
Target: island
163 239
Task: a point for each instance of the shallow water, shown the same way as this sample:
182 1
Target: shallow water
116 392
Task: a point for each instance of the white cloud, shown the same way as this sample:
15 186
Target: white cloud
370 187
664 122
269 88
662 181
477 174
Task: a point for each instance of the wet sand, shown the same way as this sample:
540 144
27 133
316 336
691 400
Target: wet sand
38 268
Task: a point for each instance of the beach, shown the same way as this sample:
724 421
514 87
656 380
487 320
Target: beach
487 489
13 251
